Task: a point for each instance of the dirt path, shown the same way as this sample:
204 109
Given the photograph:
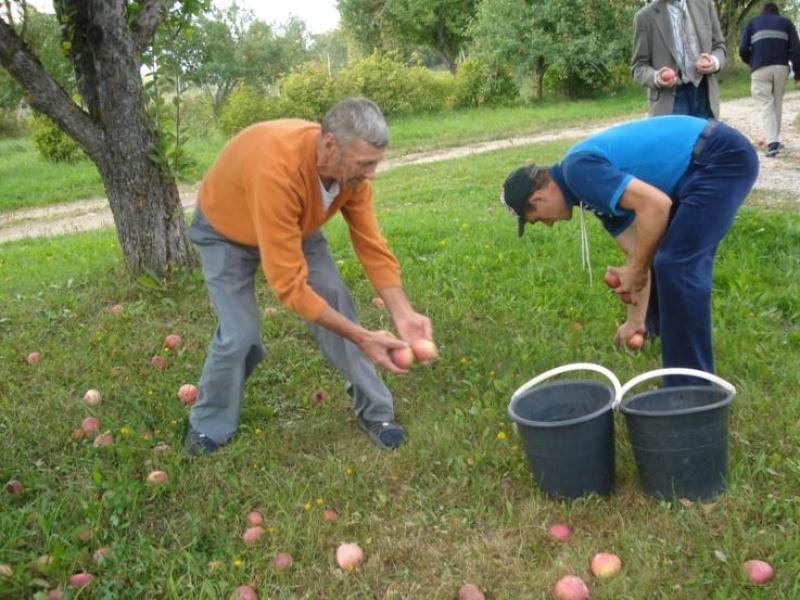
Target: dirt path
781 174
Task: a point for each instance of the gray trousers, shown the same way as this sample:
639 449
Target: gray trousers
236 348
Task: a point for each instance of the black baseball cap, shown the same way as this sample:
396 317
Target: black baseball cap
517 189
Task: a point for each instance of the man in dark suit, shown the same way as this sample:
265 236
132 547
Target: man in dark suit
678 48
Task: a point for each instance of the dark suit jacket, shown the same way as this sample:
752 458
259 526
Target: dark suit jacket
654 48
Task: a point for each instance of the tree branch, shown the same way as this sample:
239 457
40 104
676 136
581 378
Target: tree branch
149 17
44 94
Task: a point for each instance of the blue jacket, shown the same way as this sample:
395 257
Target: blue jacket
770 39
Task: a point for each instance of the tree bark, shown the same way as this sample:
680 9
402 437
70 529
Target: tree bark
115 130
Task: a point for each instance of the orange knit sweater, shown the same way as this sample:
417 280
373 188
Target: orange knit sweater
263 190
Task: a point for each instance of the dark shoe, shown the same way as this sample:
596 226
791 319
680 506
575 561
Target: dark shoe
384 434
773 148
197 443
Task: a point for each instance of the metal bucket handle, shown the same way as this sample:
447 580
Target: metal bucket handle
672 371
565 369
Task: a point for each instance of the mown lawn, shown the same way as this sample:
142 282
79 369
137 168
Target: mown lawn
456 504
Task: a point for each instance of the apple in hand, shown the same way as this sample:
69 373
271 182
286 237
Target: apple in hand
402 357
667 76
424 350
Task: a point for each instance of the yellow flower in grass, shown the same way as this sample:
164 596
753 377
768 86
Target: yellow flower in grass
492 373
307 506
501 435
237 562
124 431
514 448
173 421
319 501
258 431
348 471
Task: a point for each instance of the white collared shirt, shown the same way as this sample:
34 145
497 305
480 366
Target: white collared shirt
328 196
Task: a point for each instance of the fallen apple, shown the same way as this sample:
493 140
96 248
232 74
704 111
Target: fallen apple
90 424
254 518
157 477
758 571
402 357
560 531
92 397
33 358
349 556
158 362
81 579
424 350
101 554
117 309
55 594
470 591
172 341
244 592
282 562
319 395
570 587
187 393
605 565
104 439
329 515
14 486
252 534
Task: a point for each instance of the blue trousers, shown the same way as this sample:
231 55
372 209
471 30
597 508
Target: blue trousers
693 101
721 174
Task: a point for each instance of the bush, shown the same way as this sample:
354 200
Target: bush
52 143
197 113
10 123
476 84
430 90
245 105
306 93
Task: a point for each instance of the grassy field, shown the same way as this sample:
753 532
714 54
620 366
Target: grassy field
456 504
29 181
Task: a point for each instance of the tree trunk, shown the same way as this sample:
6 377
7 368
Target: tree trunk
539 74
116 131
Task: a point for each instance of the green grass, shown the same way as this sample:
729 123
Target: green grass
456 503
29 181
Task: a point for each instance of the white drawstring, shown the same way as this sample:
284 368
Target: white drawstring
585 258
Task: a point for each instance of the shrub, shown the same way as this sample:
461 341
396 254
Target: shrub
306 93
10 123
245 105
51 142
197 113
430 90
477 84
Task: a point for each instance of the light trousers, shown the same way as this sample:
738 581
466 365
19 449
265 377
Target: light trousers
767 86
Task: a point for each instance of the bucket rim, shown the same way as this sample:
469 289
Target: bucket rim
726 400
565 422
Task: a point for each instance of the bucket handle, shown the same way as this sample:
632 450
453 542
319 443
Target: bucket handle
565 369
672 371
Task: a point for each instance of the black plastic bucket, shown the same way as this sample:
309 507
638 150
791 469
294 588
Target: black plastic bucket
679 437
567 431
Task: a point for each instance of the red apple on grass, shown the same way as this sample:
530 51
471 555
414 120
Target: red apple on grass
104 439
92 398
349 556
33 358
282 562
470 591
187 393
329 515
55 594
570 587
14 486
158 362
254 518
81 580
758 571
90 424
244 592
605 565
560 531
172 341
252 534
157 478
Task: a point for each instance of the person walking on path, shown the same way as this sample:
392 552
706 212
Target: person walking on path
768 44
262 203
678 48
667 188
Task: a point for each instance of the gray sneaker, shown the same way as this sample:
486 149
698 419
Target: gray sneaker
196 443
384 434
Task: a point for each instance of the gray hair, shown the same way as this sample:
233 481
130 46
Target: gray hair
356 118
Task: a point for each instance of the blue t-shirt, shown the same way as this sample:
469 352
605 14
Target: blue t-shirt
596 171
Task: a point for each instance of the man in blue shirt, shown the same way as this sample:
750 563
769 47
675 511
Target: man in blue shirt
768 44
667 188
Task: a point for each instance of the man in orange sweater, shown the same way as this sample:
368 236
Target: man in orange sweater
263 202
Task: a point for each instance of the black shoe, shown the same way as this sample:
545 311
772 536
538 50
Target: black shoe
197 443
384 434
773 148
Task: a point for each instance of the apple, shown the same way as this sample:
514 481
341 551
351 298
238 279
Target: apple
611 280
14 486
605 565
55 594
282 562
470 591
329 515
43 563
667 75
758 571
77 434
560 531
636 341
101 554
252 534
377 302
90 424
172 341
254 518
348 556
402 357
81 579
187 393
571 587
244 592
424 350
158 362
319 395
33 358
92 397
104 439
270 311
117 309
161 448
157 478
